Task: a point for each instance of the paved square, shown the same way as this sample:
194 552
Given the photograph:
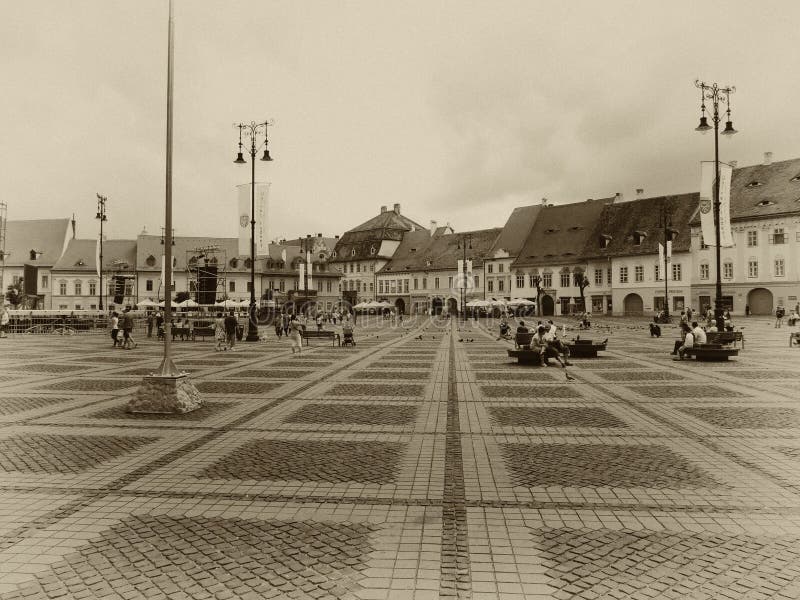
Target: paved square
354 414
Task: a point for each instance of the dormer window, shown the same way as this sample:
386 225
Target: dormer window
765 203
333 254
234 263
795 178
372 250
605 240
428 263
353 252
576 228
754 184
638 237
80 263
551 230
247 262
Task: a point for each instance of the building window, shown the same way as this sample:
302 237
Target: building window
609 276
752 238
780 270
623 274
231 286
405 286
703 245
565 280
352 266
501 285
416 283
704 271
477 281
598 276
450 282
547 280
358 267
380 286
752 268
129 288
78 288
148 285
281 285
436 283
371 267
490 285
371 287
424 283
45 282
500 267
520 281
676 272
778 236
638 273
657 272
490 268
329 286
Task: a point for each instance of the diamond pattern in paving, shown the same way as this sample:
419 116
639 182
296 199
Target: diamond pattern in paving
641 375
686 391
367 462
552 416
376 389
235 387
527 375
46 368
413 375
269 373
571 465
747 417
523 391
167 557
63 453
354 414
587 564
302 363
92 385
209 409
400 365
9 406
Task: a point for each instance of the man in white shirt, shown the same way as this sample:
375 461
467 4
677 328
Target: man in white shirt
698 333
688 342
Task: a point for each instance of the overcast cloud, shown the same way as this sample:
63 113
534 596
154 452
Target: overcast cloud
457 110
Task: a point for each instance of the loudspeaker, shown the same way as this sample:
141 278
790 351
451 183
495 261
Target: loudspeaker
207 284
119 289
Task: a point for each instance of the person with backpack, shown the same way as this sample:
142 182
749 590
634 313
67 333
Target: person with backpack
127 330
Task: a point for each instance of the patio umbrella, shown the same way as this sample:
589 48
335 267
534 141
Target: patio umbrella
362 305
478 304
520 302
228 303
188 303
147 302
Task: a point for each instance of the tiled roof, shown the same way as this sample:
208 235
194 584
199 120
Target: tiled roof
80 256
366 239
48 236
441 252
759 191
621 221
389 219
560 233
516 230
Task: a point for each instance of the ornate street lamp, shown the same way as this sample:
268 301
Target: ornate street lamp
464 244
101 216
253 130
716 94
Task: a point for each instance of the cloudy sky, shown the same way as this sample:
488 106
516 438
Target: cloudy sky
459 111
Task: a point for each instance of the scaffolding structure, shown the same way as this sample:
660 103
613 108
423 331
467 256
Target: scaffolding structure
206 271
3 255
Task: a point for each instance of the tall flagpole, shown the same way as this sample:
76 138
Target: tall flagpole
167 366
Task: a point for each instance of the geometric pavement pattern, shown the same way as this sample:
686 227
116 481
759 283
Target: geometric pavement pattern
354 414
536 465
166 557
367 462
63 453
553 416
208 409
92 385
747 417
376 389
640 565
9 406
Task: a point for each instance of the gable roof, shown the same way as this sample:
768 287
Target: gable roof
441 252
516 230
80 256
560 233
47 236
619 221
388 219
778 192
364 242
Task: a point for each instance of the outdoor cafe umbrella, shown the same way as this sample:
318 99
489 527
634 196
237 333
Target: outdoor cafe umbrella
147 302
188 303
478 304
520 302
228 303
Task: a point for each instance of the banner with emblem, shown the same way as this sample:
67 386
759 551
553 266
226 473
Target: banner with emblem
245 200
725 233
707 203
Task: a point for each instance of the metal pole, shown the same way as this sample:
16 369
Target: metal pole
666 265
252 328
168 368
102 214
718 310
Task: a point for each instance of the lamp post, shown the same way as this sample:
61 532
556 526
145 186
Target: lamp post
716 94
101 216
665 220
253 130
463 244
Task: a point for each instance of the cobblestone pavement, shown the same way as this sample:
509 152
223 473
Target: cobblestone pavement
413 466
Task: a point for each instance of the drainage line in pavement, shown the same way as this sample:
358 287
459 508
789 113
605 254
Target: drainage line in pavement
455 580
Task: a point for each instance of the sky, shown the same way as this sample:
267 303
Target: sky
459 111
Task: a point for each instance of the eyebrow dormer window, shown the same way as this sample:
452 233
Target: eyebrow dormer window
754 184
795 178
765 203
605 240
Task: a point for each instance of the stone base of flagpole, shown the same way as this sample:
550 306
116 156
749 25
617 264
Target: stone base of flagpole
165 394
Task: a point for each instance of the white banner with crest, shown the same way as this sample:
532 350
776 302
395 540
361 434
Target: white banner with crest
707 204
262 193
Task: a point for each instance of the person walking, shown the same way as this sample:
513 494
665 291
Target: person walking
127 330
279 325
779 313
219 333
285 319
4 320
294 334
230 330
151 322
115 329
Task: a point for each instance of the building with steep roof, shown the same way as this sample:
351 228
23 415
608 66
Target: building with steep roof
423 274
362 251
623 268
32 247
762 270
553 252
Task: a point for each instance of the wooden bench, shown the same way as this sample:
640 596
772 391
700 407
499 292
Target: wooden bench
794 338
311 334
523 340
585 348
184 332
527 356
711 352
725 337
203 331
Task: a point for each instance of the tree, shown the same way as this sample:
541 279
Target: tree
181 296
537 281
582 281
15 293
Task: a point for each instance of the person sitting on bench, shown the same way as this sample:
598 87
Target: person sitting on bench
684 329
556 344
541 343
688 342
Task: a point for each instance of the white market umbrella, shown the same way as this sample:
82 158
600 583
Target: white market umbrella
147 302
498 303
478 304
521 302
188 303
227 304
362 305
161 304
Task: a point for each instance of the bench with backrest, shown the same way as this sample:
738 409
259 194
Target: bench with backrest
203 329
183 332
711 352
725 337
522 350
585 348
313 334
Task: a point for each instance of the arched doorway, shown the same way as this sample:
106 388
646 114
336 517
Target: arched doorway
452 306
633 305
548 306
760 301
436 305
400 305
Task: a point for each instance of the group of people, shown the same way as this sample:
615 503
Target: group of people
545 342
124 322
225 331
690 335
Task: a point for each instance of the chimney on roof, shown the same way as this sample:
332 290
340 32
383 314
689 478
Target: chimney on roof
733 163
639 192
618 197
319 235
383 209
433 226
767 158
544 201
336 237
397 209
73 226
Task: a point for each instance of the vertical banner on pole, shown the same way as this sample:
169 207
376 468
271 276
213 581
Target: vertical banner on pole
707 203
310 268
244 202
669 250
725 233
660 261
97 257
301 271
